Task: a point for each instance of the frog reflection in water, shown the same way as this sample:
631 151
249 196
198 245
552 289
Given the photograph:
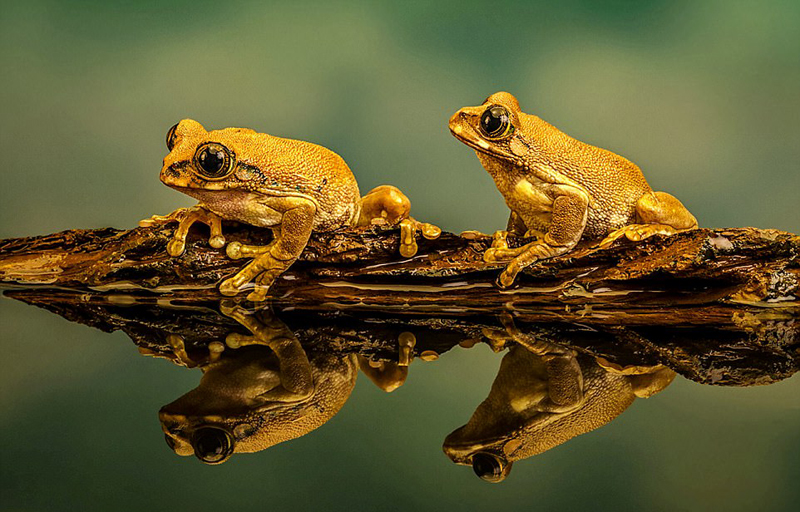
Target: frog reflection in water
543 396
291 187
265 391
559 189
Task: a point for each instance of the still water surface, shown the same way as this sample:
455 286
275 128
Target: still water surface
81 430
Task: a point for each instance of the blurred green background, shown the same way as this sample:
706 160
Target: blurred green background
704 96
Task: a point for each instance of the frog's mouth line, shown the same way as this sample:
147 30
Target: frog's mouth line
478 144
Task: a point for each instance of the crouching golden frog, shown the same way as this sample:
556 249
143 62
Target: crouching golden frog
292 187
559 189
544 395
266 389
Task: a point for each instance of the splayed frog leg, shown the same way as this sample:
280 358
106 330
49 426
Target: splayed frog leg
186 217
566 227
290 240
387 205
295 371
657 213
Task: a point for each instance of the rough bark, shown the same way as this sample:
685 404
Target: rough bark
719 306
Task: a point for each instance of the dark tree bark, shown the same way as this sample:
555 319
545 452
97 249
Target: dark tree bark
720 306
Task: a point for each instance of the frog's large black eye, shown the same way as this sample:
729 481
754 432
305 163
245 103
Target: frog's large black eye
214 160
212 445
171 137
495 122
488 467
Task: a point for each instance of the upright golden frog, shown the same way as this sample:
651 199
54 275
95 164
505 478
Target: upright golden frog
559 189
290 186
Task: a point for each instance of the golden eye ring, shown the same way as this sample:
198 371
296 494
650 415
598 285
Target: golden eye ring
213 161
496 122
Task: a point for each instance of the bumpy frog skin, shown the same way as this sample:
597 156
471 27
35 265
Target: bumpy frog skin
264 389
291 187
559 189
543 396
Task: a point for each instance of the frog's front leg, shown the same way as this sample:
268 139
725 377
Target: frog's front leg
185 217
387 205
297 381
272 260
566 227
657 213
565 377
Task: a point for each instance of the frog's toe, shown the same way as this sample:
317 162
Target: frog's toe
499 254
259 294
235 340
408 249
175 247
430 231
217 241
507 278
234 250
228 287
499 240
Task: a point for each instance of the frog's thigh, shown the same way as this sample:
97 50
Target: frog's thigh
649 384
384 202
657 213
663 208
296 226
566 227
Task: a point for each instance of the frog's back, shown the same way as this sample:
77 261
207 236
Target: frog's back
614 183
278 166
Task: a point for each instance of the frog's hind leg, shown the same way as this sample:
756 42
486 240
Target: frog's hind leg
657 213
387 205
272 260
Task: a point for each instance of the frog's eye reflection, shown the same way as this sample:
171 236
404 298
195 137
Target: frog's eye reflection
488 467
213 160
495 122
171 136
212 445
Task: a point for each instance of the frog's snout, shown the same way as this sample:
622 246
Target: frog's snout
459 123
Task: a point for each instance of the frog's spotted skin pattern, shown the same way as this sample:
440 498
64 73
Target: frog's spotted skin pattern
559 187
290 186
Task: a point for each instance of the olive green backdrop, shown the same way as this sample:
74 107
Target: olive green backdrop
703 95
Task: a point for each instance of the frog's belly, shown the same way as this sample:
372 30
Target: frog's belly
239 206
